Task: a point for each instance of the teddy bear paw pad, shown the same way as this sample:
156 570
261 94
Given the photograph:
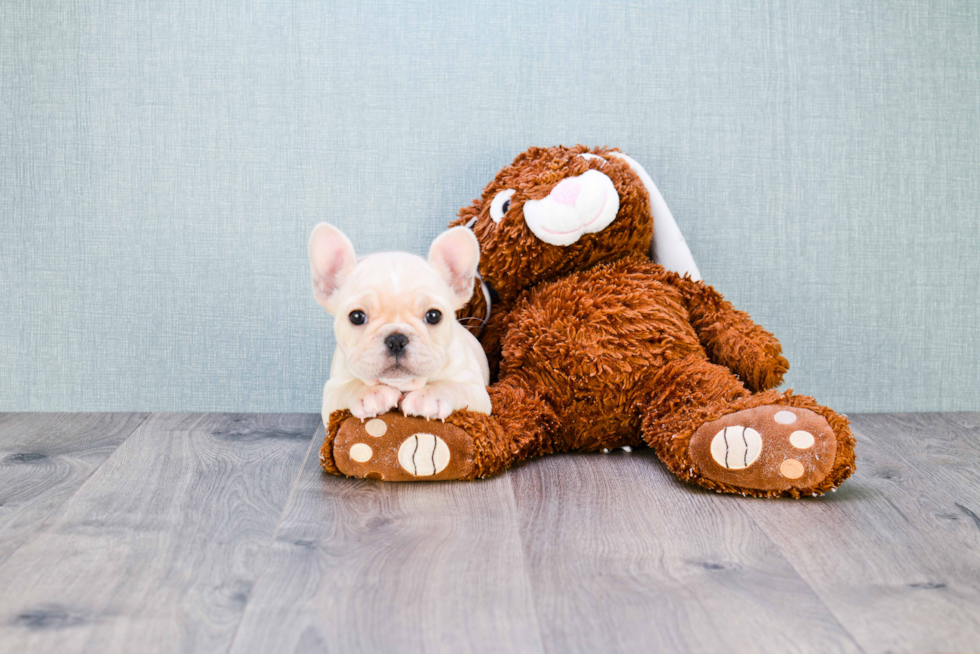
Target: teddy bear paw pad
393 447
767 448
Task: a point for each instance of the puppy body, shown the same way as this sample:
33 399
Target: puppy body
398 343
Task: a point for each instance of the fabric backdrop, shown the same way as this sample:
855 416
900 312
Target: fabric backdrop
163 163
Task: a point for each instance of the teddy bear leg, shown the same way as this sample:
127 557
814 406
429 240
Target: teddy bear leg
468 445
709 430
394 447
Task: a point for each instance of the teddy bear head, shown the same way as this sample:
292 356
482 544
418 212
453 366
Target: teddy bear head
557 210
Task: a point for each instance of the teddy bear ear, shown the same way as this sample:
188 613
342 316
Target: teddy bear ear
669 248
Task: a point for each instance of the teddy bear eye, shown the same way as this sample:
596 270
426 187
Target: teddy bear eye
500 205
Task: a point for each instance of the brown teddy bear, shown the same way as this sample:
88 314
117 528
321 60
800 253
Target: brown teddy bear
595 346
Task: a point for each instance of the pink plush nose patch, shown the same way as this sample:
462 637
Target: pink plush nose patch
566 192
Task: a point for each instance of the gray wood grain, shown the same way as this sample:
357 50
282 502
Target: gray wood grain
44 458
158 551
623 557
894 553
362 566
210 532
945 448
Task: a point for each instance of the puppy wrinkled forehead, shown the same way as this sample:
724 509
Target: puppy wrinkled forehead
396 275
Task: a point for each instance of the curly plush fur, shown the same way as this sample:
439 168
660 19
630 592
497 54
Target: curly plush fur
594 346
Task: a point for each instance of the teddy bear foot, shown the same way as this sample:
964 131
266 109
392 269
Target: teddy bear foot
766 450
393 447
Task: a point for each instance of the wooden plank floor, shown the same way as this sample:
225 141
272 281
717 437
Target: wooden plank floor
217 533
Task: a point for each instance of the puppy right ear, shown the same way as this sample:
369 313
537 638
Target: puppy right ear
331 260
455 255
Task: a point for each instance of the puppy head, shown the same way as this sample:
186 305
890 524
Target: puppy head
393 311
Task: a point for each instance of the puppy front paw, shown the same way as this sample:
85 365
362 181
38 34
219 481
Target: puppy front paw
375 400
429 403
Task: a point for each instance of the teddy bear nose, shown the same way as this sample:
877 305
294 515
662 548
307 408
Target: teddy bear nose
396 343
566 192
576 206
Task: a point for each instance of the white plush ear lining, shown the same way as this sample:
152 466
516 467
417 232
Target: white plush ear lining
455 255
669 247
332 258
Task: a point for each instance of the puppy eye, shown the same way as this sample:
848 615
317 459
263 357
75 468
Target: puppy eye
357 317
433 316
500 204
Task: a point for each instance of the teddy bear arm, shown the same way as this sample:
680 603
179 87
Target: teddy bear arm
491 333
732 339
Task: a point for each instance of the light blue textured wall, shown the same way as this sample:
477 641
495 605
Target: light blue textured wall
162 164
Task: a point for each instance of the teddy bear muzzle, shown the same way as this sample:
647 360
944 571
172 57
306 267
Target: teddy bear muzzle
580 205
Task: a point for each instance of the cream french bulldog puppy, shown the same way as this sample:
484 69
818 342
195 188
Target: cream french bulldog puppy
398 342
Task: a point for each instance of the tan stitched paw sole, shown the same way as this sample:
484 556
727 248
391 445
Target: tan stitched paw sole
768 448
395 448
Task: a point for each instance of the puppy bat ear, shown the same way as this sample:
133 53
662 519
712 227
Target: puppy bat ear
331 260
454 255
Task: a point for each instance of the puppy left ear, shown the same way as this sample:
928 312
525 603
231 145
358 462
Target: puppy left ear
455 255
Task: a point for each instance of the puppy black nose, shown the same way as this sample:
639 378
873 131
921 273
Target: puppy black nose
396 342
